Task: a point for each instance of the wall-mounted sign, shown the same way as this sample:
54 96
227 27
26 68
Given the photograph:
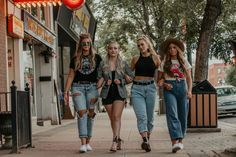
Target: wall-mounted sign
10 58
80 21
37 30
83 17
15 27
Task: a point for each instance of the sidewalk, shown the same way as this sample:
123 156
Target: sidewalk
62 141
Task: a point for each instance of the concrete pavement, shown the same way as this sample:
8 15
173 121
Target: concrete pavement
62 141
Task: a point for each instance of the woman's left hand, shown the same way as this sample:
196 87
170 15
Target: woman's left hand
117 81
128 79
189 94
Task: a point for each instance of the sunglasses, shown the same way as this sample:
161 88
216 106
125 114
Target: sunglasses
85 44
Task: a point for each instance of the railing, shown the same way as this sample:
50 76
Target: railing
17 121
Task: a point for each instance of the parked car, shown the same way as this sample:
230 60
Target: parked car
226 99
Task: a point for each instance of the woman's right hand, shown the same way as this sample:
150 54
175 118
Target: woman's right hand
66 97
161 82
109 82
168 86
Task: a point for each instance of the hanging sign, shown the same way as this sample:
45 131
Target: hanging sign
15 27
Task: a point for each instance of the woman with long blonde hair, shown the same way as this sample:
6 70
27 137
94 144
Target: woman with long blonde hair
114 74
143 91
82 79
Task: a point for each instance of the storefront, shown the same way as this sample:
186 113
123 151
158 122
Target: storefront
39 48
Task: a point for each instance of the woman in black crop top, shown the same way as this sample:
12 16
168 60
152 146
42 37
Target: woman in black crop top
143 91
83 78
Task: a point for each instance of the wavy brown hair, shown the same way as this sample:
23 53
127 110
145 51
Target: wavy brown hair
79 52
168 63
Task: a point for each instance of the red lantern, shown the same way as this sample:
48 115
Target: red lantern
74 4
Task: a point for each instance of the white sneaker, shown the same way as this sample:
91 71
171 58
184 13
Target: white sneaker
83 149
89 148
175 148
181 145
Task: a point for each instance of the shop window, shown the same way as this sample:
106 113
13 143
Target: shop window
42 15
39 13
34 11
219 70
220 82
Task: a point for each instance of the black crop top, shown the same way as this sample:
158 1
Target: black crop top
145 66
86 73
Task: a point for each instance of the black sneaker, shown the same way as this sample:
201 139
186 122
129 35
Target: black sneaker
146 146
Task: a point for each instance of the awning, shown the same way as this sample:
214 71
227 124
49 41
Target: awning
34 3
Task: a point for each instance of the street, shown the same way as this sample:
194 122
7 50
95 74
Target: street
62 141
228 119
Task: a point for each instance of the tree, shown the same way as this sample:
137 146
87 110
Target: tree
123 20
212 12
231 76
225 31
159 19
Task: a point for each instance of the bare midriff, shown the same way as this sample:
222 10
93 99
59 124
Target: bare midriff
138 78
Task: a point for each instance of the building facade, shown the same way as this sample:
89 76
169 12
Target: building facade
37 42
217 73
28 43
3 47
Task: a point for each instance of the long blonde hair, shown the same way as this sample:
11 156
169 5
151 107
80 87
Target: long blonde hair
151 49
119 62
79 52
180 57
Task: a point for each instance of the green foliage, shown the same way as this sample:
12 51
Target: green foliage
225 31
231 76
124 20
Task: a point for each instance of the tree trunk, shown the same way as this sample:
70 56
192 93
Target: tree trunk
212 11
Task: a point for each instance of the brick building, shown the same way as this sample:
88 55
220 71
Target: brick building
217 73
3 60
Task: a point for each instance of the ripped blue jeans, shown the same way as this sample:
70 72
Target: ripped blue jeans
82 96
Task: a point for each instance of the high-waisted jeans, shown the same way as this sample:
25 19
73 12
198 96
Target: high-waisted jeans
143 99
82 101
176 108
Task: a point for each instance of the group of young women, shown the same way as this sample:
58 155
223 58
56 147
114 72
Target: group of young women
88 72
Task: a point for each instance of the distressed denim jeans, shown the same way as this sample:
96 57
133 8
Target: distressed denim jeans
176 108
143 99
82 101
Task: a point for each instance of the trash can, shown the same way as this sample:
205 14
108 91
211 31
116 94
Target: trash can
203 106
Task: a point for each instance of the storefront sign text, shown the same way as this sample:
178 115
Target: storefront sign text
15 27
38 31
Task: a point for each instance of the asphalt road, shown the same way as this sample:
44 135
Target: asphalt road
228 119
